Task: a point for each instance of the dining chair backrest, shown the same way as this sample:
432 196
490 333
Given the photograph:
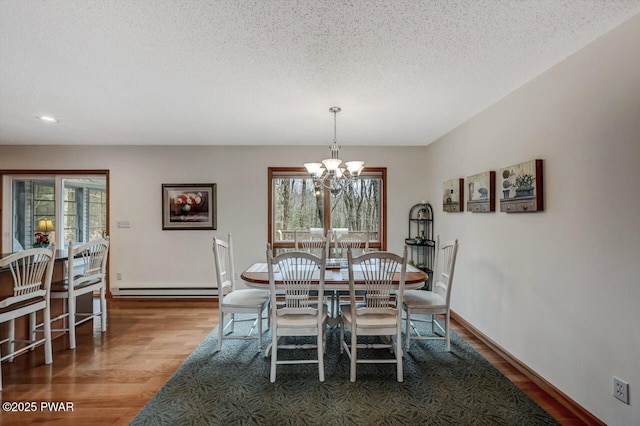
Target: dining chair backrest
351 240
444 268
379 271
311 242
296 273
93 265
225 271
31 271
338 232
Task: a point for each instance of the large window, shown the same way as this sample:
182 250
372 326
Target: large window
76 206
297 205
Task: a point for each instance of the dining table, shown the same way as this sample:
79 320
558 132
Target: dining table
336 276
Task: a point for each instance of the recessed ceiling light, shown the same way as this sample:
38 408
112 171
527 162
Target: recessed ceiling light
47 119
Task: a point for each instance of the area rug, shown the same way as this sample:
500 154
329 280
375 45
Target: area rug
232 387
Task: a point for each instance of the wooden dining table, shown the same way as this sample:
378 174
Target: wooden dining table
257 276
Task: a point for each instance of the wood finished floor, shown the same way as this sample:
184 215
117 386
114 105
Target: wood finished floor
110 376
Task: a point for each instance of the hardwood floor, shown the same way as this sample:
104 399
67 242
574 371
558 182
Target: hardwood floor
109 377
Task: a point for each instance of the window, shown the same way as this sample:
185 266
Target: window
298 204
97 213
70 215
76 205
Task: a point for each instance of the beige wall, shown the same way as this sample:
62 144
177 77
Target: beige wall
560 290
147 256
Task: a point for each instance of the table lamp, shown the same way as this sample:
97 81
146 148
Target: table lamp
44 227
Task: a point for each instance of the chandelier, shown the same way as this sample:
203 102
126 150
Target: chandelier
332 173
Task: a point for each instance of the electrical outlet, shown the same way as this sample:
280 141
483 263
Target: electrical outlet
621 390
119 276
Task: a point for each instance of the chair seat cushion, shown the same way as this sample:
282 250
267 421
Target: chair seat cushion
21 304
369 320
300 320
425 299
246 297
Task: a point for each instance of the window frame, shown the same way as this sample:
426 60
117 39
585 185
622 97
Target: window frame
6 177
276 172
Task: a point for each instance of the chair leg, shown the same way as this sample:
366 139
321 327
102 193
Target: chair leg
259 330
407 334
103 310
268 308
32 327
220 328
324 339
72 321
12 338
354 354
321 355
274 355
399 353
341 336
447 333
48 352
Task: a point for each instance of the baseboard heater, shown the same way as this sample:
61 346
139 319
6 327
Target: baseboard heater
167 292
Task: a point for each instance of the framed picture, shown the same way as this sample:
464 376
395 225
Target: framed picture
521 188
452 195
188 206
481 192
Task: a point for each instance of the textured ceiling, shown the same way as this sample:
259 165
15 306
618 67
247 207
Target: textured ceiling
195 72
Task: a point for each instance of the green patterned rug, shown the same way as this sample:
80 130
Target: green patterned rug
441 388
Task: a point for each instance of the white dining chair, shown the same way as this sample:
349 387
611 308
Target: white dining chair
433 302
379 313
86 273
233 300
298 309
356 241
31 271
311 242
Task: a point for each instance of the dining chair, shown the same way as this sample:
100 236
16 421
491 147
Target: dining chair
311 242
31 271
343 240
435 301
379 313
300 310
85 270
355 241
234 300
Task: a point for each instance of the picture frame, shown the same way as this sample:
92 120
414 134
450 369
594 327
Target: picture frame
481 192
452 195
521 187
189 206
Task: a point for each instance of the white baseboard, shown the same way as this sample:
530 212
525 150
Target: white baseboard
166 292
